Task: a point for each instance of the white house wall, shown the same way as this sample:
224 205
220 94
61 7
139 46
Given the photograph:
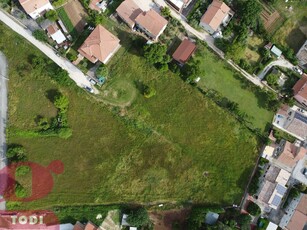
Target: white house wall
35 14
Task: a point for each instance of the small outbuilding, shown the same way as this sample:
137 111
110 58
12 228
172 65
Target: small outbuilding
211 218
277 52
184 51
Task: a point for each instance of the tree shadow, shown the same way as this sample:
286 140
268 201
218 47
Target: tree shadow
141 87
51 94
244 177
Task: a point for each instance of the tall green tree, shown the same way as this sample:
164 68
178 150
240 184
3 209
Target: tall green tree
138 218
248 11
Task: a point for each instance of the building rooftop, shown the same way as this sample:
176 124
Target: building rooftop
276 51
128 10
299 218
100 44
215 14
302 55
151 21
32 5
184 51
291 154
272 173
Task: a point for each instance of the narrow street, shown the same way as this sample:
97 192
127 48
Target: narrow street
74 73
3 115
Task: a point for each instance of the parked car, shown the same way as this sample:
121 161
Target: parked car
298 70
89 89
92 81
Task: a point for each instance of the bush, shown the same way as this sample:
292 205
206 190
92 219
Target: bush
165 12
138 218
149 92
102 71
16 154
20 191
51 15
253 209
22 170
40 35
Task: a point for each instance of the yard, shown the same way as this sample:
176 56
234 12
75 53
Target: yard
176 146
291 32
67 22
218 76
251 51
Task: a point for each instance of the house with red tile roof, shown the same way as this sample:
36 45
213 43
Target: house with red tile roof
55 33
178 5
218 13
100 45
291 154
151 23
184 51
300 90
299 217
88 226
128 11
35 8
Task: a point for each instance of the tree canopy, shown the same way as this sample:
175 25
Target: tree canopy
156 54
253 209
61 102
249 11
52 15
138 218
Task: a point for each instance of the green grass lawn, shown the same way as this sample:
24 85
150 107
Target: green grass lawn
219 77
176 146
289 34
68 24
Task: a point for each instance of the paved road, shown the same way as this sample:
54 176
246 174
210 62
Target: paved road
280 62
74 73
3 116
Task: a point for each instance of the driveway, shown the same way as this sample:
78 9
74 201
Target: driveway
280 62
3 116
74 73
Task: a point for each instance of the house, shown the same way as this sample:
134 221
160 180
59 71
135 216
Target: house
128 10
300 90
35 8
291 153
302 56
217 14
151 23
275 51
88 226
272 226
184 51
178 5
299 218
55 33
100 45
292 120
98 5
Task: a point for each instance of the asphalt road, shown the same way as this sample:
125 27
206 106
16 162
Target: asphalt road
74 73
3 116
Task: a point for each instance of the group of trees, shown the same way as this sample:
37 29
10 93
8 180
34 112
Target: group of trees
139 218
253 209
40 35
156 54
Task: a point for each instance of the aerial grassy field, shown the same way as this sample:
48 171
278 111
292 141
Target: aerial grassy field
290 34
218 76
175 146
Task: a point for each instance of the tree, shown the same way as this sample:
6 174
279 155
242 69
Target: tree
22 170
249 11
235 51
156 53
40 35
43 123
253 209
138 218
61 102
52 15
165 12
16 154
272 80
102 70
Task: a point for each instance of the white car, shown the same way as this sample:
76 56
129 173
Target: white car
298 70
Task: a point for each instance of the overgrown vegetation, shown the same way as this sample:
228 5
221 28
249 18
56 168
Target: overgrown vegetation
253 209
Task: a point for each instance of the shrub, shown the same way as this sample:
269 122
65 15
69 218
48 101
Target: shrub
102 71
253 209
40 35
149 92
138 218
20 191
52 15
22 170
165 12
16 154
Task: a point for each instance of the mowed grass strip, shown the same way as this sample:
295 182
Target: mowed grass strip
218 76
176 146
67 22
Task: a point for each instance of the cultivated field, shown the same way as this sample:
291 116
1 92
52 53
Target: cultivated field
176 146
272 20
76 14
